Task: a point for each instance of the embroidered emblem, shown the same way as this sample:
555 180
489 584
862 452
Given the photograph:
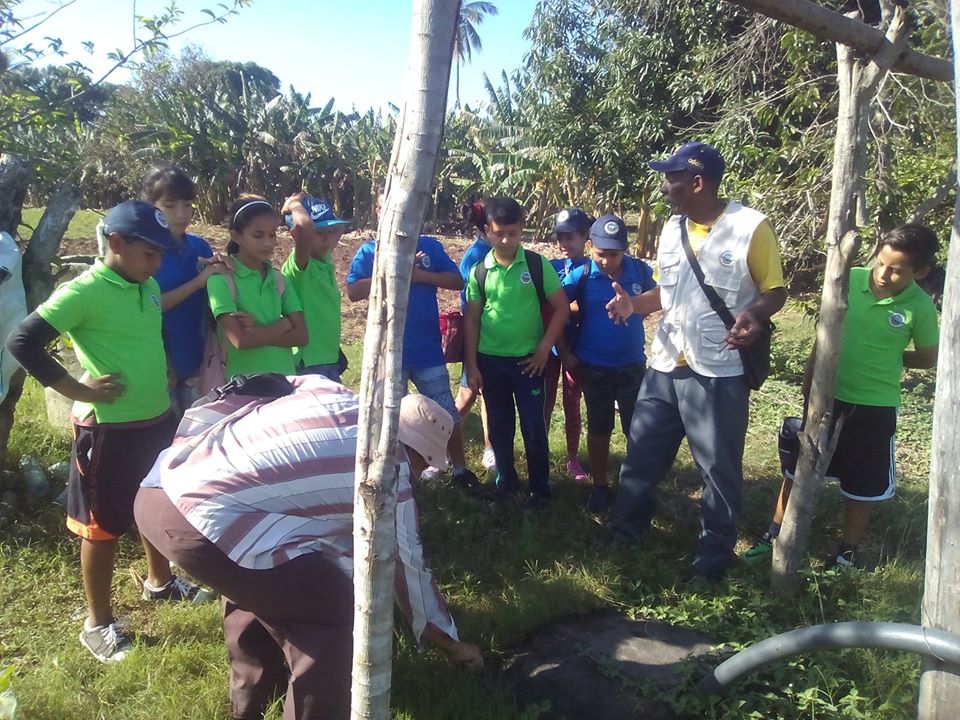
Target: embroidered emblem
897 320
563 216
525 278
611 228
319 210
726 258
637 288
161 219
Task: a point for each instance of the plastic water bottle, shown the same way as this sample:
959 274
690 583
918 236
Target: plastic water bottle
59 471
34 476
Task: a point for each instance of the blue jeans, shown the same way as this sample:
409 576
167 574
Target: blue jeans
330 372
434 382
712 413
503 386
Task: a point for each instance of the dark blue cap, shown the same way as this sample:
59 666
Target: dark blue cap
609 233
135 218
572 220
696 157
320 212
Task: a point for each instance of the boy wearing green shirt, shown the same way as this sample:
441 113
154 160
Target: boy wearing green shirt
122 415
887 312
506 347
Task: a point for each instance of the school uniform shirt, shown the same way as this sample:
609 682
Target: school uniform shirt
600 340
474 254
875 334
268 480
317 288
184 326
511 324
260 297
563 268
115 327
421 334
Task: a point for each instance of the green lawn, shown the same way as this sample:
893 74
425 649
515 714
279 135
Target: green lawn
82 226
505 575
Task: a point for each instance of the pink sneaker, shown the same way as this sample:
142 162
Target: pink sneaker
575 470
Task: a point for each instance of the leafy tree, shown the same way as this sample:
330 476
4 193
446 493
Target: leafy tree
466 40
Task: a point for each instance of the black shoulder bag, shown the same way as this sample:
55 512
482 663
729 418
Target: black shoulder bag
756 356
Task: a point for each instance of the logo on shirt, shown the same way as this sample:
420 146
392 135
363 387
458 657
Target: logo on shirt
611 228
726 258
525 278
563 216
161 219
156 301
425 262
897 320
637 288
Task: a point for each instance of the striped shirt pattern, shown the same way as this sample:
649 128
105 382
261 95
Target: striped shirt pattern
267 480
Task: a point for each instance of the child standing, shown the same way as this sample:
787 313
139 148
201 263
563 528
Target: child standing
610 355
121 416
423 361
572 229
182 278
506 346
887 312
309 268
260 321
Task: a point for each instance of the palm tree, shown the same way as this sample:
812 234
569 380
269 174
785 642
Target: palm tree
466 39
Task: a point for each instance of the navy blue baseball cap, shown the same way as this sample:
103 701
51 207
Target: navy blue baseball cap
609 233
696 157
572 220
135 218
320 212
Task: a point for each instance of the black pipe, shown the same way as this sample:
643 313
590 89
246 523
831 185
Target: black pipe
937 644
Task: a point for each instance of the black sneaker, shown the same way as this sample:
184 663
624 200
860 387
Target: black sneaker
107 643
177 590
468 481
845 558
599 499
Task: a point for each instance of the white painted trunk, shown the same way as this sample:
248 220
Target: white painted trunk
858 79
409 178
940 690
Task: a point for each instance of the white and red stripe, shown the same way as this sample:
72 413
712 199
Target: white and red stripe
267 480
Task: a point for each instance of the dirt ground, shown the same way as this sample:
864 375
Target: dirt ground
354 314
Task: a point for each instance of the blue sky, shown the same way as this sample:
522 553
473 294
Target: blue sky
353 50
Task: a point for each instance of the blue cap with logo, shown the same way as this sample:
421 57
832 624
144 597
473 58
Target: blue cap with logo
609 233
135 218
572 220
320 212
696 157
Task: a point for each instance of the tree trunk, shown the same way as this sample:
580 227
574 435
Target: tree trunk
15 178
409 178
858 79
866 40
939 686
38 280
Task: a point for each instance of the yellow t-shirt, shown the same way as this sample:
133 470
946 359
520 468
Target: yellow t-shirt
763 257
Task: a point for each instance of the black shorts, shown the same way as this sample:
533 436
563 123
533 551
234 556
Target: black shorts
864 459
602 387
107 465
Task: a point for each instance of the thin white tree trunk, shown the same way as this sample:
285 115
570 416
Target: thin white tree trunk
939 689
409 178
858 79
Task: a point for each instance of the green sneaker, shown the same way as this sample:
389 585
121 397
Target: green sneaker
760 550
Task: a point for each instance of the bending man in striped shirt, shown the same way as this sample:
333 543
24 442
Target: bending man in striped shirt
255 498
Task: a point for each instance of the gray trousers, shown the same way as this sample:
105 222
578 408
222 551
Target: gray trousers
712 413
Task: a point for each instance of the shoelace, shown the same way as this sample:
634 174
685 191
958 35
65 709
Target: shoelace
186 589
112 636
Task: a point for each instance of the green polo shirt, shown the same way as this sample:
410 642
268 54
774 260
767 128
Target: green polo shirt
875 334
114 325
316 285
510 324
260 297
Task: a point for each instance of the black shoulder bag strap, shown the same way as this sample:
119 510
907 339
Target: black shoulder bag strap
716 302
535 268
480 272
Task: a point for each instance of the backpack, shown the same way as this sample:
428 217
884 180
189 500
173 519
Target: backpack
213 369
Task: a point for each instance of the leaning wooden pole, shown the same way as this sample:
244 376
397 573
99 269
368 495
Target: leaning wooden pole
858 79
940 685
409 180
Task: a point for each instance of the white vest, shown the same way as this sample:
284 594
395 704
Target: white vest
688 324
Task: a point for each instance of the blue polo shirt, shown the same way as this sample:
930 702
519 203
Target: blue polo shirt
474 254
563 267
184 326
602 342
421 335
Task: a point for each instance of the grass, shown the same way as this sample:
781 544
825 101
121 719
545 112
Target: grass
82 226
505 575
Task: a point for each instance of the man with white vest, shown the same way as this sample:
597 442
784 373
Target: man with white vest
694 385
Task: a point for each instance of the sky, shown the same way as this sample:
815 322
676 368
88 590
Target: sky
352 50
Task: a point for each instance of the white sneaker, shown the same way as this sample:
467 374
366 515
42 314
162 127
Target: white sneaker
430 474
489 459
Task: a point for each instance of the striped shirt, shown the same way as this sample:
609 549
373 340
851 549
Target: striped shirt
267 480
